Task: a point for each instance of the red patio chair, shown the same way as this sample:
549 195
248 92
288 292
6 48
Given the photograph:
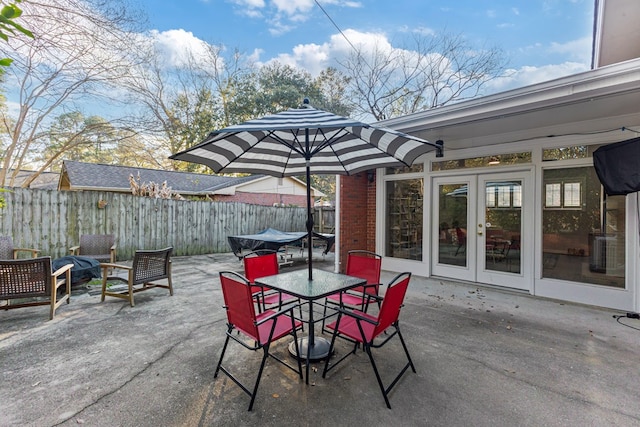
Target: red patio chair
365 265
359 327
461 237
261 263
263 329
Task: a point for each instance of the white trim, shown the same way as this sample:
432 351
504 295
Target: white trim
338 229
603 81
598 33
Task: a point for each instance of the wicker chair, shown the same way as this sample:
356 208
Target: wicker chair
7 251
28 279
148 266
101 247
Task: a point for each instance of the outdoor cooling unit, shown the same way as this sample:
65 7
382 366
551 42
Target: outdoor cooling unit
604 253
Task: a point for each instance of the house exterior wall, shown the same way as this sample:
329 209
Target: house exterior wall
270 184
357 215
264 199
545 123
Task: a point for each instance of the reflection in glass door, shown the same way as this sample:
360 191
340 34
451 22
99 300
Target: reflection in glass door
453 245
502 225
453 206
478 229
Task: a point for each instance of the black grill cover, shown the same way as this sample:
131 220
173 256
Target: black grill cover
618 167
84 268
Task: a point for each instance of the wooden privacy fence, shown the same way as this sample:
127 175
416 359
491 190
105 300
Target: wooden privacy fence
324 219
53 221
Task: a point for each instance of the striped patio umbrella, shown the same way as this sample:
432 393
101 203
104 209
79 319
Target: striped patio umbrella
305 141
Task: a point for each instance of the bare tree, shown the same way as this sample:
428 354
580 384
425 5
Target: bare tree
183 101
386 82
75 58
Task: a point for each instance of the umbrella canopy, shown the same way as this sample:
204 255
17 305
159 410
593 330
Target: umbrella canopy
305 141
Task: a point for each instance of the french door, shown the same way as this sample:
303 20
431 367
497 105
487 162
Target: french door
483 228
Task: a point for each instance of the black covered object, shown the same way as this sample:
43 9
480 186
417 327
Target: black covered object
618 167
273 239
84 268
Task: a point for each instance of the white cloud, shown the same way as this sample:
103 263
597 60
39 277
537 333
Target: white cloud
176 45
315 57
527 75
251 4
293 7
579 50
423 31
283 15
255 55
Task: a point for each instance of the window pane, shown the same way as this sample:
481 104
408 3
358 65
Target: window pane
452 217
517 196
418 167
404 219
552 195
565 153
583 245
504 196
479 162
572 194
491 196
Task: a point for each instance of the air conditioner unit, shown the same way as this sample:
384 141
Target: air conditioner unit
604 253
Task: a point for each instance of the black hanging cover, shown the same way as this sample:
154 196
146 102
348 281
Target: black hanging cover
618 167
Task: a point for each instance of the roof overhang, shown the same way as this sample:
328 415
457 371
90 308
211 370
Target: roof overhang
605 98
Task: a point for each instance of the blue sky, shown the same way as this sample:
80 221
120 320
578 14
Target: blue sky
542 39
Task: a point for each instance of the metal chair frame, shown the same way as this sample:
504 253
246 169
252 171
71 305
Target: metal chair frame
366 265
361 328
261 263
263 328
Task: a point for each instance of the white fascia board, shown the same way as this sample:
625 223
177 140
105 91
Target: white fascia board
605 81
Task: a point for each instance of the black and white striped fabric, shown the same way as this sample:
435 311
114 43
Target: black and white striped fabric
280 145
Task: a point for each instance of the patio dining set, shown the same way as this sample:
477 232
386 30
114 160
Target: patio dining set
264 306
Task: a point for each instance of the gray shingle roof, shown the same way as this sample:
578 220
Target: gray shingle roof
92 176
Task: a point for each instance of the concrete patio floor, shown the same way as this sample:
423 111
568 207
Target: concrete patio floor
484 357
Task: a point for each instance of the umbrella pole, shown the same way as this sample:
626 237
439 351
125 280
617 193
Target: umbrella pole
309 215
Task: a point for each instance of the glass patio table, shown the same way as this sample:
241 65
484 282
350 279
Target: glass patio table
297 283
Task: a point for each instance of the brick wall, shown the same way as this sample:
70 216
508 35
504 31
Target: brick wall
357 215
264 199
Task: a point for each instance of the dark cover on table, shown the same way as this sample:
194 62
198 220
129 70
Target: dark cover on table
273 239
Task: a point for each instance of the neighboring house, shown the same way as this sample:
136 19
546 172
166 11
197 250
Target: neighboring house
515 201
44 181
254 189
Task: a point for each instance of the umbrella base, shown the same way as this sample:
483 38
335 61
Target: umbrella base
318 351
